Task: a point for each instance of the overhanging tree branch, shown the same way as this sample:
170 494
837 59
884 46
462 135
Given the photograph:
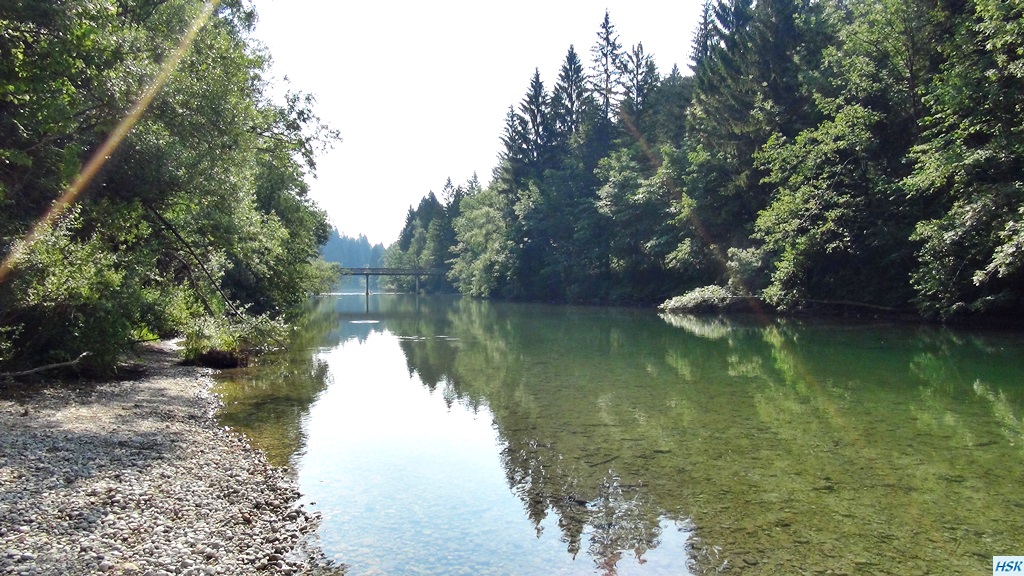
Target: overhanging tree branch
188 248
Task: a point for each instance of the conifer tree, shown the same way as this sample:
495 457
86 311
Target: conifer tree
569 99
606 70
703 36
639 79
536 119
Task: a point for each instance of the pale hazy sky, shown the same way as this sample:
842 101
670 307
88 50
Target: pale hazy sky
419 90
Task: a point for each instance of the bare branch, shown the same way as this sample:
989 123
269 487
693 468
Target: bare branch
54 366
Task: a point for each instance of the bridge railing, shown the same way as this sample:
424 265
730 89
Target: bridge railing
367 272
391 272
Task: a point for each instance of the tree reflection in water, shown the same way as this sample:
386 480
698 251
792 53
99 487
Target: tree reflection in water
620 517
781 441
477 357
763 432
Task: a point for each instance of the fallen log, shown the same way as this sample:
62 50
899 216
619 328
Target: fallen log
11 375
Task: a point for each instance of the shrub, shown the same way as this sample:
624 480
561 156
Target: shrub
703 299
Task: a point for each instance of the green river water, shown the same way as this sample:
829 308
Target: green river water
453 436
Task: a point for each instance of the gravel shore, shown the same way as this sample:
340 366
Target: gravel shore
136 477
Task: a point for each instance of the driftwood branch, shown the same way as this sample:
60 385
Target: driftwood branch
45 368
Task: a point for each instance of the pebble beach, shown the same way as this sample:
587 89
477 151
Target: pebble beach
136 477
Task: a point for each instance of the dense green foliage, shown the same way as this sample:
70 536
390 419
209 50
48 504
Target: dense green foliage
860 153
198 224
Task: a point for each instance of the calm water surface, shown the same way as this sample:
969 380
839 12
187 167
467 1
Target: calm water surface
451 436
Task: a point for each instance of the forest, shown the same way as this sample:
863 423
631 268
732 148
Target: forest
857 153
196 224
862 154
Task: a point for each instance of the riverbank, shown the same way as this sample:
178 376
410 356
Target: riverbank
136 477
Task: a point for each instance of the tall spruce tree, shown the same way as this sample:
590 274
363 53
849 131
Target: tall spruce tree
606 69
703 36
569 99
537 121
639 80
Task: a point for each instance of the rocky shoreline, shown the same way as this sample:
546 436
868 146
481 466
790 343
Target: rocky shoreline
136 477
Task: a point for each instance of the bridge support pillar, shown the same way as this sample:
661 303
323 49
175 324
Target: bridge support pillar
417 285
367 284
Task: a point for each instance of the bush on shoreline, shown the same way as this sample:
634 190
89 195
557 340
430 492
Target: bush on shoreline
705 299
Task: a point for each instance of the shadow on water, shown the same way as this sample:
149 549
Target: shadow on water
788 446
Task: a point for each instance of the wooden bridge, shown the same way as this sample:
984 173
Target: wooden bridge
367 272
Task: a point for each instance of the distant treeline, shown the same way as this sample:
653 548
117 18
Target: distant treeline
351 252
864 153
197 225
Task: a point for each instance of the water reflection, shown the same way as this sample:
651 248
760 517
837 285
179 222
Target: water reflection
783 446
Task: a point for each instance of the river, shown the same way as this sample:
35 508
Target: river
445 436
